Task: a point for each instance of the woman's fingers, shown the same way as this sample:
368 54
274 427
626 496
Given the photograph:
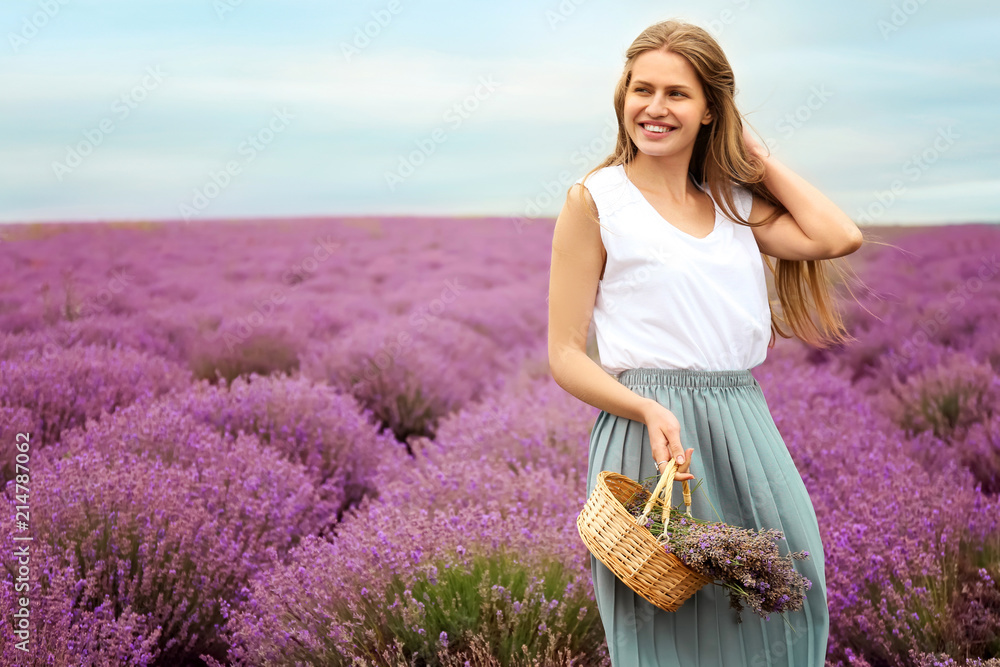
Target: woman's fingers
676 450
687 462
682 470
665 441
682 473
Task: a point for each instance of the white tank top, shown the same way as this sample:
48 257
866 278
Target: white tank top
669 299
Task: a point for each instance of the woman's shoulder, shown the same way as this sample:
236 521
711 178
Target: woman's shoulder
603 178
742 197
607 187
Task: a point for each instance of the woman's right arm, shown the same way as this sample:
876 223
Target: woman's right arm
578 258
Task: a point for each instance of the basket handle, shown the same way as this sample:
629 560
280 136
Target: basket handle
666 487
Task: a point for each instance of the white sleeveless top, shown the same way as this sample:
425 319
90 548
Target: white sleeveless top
669 299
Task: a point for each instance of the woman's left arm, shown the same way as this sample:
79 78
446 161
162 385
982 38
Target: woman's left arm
813 228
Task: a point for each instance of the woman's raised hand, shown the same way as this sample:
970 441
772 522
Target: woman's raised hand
665 440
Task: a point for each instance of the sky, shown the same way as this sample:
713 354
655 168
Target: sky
137 110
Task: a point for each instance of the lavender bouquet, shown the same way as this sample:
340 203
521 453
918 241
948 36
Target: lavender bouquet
745 561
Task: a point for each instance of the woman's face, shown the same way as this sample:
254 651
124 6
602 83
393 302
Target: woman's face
664 92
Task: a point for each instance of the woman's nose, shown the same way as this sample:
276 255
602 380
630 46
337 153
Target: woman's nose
658 107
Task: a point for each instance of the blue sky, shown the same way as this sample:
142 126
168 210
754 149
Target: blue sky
160 109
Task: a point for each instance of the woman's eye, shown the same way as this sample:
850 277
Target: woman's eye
640 89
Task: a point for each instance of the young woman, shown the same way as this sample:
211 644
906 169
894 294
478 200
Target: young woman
664 246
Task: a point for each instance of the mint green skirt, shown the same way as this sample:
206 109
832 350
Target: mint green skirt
750 479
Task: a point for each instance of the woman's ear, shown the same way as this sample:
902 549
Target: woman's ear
707 118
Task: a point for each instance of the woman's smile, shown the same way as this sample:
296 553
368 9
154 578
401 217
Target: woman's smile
656 130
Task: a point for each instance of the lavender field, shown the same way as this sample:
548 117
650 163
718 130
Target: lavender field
336 442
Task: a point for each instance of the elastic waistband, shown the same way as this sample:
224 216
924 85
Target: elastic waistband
685 377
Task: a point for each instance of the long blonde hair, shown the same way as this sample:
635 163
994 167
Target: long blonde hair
719 158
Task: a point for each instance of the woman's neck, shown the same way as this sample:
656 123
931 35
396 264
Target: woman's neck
662 175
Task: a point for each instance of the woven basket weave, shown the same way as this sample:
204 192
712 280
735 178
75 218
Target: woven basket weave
627 548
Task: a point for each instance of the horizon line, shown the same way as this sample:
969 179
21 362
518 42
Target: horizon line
398 216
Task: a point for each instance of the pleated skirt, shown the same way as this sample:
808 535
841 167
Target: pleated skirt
750 480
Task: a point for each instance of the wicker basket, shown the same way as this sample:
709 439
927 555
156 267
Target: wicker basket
626 546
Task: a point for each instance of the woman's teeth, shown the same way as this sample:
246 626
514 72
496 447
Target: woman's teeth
658 128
